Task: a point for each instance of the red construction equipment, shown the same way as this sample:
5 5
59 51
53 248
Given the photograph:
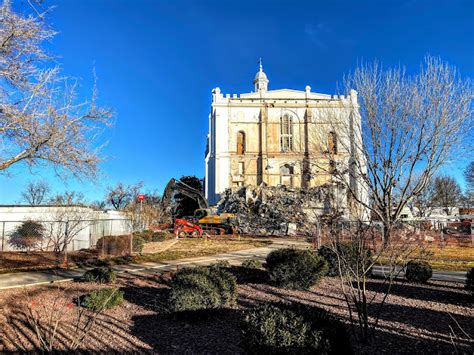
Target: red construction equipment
184 228
205 220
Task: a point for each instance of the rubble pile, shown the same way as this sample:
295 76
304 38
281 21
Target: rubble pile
275 210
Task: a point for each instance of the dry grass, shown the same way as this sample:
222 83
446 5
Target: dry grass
448 258
188 248
451 258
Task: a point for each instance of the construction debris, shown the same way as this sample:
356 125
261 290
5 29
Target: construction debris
277 210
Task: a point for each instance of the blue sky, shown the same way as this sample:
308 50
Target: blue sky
157 62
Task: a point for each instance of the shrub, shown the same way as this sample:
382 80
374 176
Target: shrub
296 269
101 275
470 280
222 263
418 271
159 236
104 298
27 235
252 264
146 235
202 288
349 252
138 244
292 328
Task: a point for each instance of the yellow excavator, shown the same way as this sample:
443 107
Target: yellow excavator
205 219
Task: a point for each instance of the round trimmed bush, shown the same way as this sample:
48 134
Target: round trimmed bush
101 275
252 264
418 271
349 253
146 235
202 288
470 280
137 244
222 263
104 298
277 328
295 269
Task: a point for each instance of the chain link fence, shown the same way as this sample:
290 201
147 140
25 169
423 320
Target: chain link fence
59 235
434 232
57 243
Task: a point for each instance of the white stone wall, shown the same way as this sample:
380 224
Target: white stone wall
95 223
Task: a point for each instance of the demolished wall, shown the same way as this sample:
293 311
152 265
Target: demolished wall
282 210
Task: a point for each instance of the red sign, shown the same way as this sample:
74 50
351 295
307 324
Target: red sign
141 197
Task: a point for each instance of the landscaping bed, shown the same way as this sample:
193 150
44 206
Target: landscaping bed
11 261
416 319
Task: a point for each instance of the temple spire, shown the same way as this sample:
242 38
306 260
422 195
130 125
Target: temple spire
261 80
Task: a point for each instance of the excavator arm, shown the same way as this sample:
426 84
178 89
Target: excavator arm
182 188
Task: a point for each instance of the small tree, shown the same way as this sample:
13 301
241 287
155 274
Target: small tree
68 198
120 196
35 193
446 193
66 223
469 176
28 235
364 247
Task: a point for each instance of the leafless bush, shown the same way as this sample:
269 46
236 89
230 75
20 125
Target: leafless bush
365 248
49 320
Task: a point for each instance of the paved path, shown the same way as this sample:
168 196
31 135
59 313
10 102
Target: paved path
33 278
450 276
21 279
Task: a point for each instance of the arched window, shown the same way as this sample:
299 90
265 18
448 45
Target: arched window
286 133
332 142
240 143
286 175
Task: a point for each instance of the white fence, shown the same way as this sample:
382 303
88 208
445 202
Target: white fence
77 235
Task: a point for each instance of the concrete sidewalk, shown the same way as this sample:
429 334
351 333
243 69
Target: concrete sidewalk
450 276
33 278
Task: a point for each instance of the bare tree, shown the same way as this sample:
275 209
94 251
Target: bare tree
120 196
446 193
469 176
147 213
397 131
421 205
36 193
357 248
66 223
68 198
41 119
99 205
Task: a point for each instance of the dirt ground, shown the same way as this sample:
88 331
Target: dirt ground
416 319
37 260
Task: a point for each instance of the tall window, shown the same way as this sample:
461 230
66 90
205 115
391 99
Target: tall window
332 142
240 143
286 175
286 133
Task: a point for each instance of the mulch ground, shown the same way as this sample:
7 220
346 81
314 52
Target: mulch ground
18 260
433 318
